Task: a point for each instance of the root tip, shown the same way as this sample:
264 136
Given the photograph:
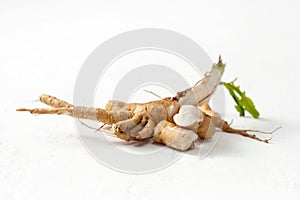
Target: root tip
23 110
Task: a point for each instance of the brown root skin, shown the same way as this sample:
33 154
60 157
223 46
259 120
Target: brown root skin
54 102
206 128
58 111
144 115
225 126
133 121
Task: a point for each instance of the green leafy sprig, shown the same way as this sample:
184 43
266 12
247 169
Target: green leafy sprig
243 103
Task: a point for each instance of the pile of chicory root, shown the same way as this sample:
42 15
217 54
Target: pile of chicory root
176 122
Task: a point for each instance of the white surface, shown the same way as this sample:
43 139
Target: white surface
42 46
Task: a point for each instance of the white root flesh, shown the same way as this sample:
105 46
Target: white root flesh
188 117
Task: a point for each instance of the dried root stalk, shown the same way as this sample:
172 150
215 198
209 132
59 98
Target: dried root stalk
173 121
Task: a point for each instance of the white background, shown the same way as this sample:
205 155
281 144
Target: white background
43 45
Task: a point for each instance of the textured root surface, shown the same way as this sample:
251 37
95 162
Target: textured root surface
173 136
54 102
58 111
224 126
206 128
141 125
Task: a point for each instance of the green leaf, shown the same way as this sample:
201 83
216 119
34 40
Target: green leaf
240 109
243 103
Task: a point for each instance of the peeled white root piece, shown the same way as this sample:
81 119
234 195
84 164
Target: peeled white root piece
189 117
173 136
